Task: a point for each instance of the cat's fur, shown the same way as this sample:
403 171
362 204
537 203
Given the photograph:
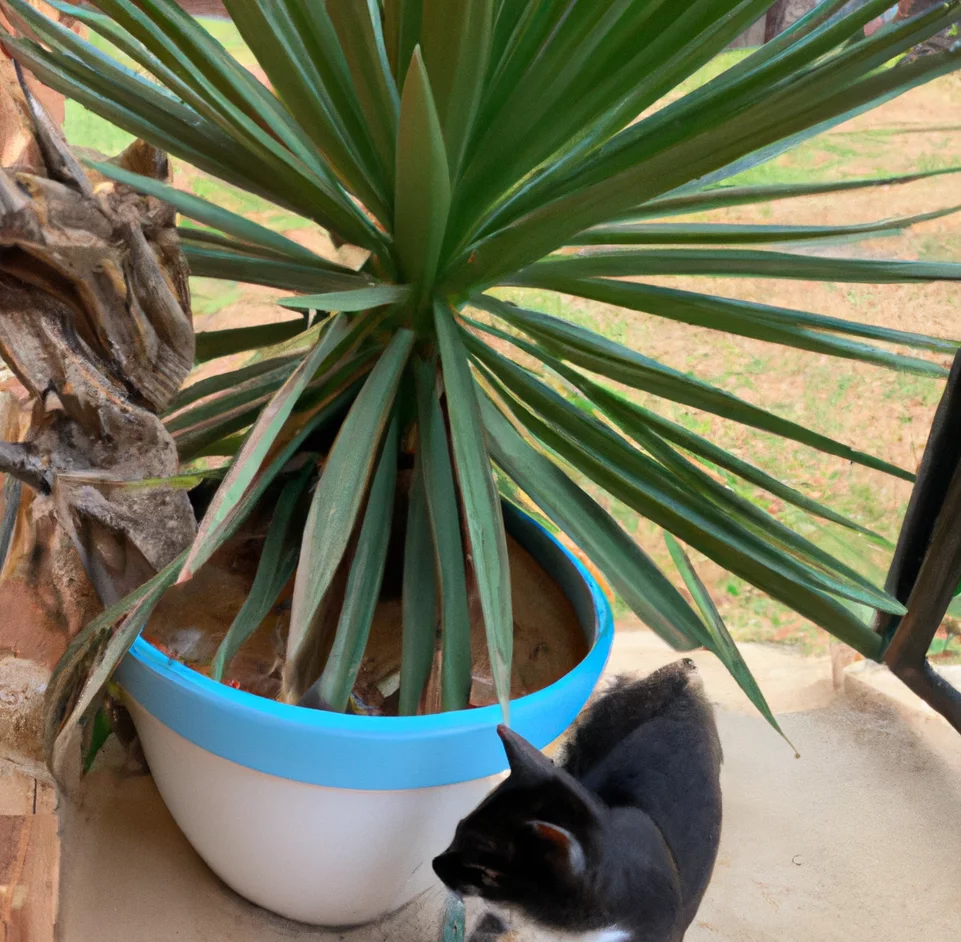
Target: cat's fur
616 843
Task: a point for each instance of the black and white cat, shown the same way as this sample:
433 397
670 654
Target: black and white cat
618 842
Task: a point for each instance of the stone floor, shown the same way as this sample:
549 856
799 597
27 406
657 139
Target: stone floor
858 839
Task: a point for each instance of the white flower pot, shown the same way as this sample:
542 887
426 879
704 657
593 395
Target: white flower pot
333 819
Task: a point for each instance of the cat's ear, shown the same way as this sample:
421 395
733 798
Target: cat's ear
527 763
563 849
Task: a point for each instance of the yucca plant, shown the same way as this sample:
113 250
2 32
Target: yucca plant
465 145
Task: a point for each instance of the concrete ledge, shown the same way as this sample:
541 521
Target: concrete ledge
791 682
874 683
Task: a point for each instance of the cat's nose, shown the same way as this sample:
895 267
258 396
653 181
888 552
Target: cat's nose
442 867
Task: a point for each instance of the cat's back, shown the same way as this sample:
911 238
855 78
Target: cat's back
653 745
665 712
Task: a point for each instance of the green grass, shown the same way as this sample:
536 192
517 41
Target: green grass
84 129
830 398
712 70
210 295
228 36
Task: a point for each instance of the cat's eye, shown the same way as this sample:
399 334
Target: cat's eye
486 845
484 876
491 847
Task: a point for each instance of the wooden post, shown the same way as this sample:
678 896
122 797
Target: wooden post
29 858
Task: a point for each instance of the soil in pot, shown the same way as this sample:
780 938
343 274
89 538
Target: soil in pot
192 618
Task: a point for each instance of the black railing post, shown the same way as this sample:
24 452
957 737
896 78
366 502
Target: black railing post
926 567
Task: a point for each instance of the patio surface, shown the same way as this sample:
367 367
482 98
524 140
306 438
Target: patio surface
856 840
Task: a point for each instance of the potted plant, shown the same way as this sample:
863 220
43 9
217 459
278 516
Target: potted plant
448 148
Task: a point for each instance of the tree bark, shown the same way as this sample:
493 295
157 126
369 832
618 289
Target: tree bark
774 19
17 146
95 324
785 13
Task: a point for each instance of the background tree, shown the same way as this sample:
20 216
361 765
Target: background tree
783 14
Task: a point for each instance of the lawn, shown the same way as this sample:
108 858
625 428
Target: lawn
875 409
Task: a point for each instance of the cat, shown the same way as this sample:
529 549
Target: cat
617 843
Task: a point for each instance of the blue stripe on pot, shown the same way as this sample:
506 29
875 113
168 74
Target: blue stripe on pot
377 753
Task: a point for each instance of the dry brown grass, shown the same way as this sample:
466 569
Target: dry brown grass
880 411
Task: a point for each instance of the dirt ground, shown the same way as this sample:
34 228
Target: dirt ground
880 411
204 7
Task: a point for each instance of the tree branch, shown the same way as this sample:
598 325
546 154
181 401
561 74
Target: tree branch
20 461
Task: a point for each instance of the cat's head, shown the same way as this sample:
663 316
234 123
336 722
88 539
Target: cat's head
530 841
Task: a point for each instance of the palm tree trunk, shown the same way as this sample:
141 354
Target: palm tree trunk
95 325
